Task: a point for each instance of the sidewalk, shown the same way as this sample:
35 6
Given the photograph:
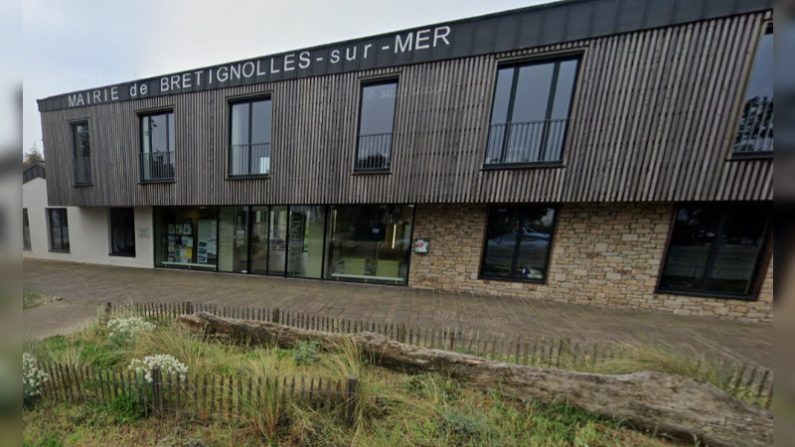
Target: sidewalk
83 287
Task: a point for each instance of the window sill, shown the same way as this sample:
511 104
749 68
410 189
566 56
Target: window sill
55 250
740 156
121 255
82 185
532 165
249 177
371 171
541 282
726 296
152 182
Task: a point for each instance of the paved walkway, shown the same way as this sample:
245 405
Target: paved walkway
84 287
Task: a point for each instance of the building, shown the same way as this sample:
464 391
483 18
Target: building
589 151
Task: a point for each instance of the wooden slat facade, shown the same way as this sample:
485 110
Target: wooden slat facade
653 120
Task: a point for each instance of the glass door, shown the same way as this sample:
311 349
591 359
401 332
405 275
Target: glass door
259 240
233 233
277 240
305 241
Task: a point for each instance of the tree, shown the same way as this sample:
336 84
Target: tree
32 157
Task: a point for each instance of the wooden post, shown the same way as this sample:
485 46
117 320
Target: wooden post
350 403
108 310
157 390
275 316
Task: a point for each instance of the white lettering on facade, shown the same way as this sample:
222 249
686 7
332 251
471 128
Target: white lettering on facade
335 56
304 60
289 62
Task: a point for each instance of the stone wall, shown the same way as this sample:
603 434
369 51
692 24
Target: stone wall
603 254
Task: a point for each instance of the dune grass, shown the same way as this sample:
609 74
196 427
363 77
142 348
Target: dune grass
394 409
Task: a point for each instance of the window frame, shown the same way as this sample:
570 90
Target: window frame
73 128
765 28
761 264
517 64
231 102
112 252
61 249
141 115
548 257
368 82
26 240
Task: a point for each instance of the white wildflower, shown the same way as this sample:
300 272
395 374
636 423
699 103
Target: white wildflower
126 328
167 363
32 376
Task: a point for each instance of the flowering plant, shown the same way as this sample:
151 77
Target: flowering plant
122 329
32 376
167 364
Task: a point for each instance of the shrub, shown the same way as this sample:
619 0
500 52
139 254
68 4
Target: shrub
124 329
167 364
32 377
306 352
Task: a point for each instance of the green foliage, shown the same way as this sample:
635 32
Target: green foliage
306 353
31 299
124 409
49 441
461 428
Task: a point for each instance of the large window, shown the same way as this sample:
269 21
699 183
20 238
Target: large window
81 152
157 147
716 249
250 138
369 243
755 129
25 230
59 229
122 232
186 237
530 113
376 122
518 243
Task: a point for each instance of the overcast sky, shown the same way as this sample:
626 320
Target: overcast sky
79 44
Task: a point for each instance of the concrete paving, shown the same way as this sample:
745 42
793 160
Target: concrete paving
84 287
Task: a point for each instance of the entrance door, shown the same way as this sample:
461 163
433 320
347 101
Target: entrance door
233 234
305 241
259 239
277 239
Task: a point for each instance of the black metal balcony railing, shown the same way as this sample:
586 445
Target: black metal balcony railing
374 152
157 166
250 159
526 142
755 129
82 170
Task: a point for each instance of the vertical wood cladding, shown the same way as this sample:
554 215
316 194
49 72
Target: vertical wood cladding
652 120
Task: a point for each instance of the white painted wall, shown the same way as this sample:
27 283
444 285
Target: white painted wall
89 231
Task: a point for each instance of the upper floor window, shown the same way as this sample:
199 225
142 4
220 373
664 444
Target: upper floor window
59 229
530 113
376 122
716 249
81 152
157 146
755 129
250 138
518 243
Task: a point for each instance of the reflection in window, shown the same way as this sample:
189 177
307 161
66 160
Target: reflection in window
755 129
376 120
305 241
518 242
59 229
157 147
122 232
250 144
530 113
369 243
81 151
716 249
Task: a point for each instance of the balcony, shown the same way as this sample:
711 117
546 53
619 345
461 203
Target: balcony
81 171
373 152
755 129
527 142
157 166
250 159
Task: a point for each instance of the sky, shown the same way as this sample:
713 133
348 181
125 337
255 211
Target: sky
82 44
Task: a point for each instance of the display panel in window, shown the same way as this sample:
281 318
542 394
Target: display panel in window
518 243
716 249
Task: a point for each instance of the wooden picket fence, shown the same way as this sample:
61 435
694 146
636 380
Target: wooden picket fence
751 382
207 396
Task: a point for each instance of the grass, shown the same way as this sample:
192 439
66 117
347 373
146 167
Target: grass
32 299
394 409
